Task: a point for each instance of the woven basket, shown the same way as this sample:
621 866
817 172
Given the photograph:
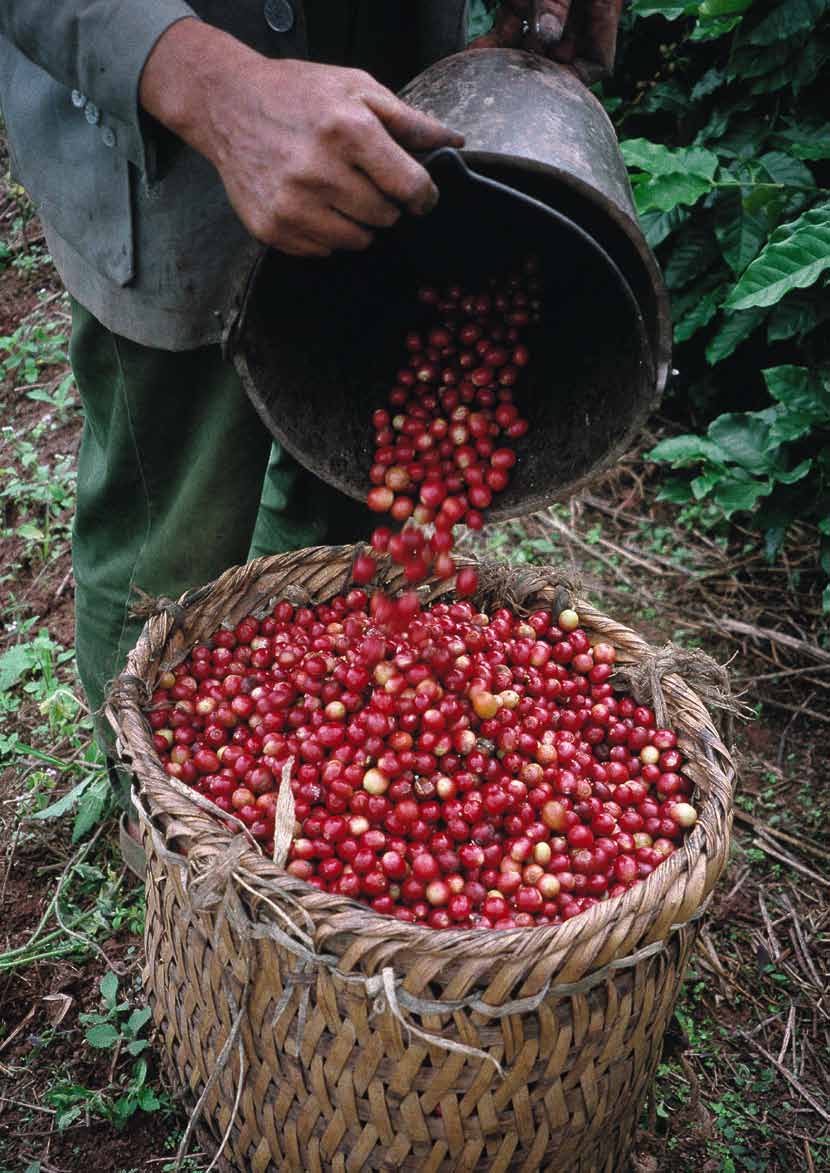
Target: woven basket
317 1034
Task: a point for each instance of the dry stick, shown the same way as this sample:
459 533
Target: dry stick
802 944
799 710
771 937
653 567
787 1033
774 833
808 1154
592 552
803 647
8 871
27 1018
788 859
795 672
790 1078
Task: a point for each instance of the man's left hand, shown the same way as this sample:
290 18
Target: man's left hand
581 33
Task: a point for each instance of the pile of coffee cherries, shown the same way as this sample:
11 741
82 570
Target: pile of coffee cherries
472 770
445 446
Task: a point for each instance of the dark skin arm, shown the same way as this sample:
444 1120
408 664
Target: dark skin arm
313 157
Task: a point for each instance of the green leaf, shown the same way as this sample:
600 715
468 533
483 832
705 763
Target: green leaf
795 257
137 1019
739 232
711 30
783 168
809 63
750 63
670 11
739 496
793 475
109 988
668 97
805 140
677 491
479 19
795 16
137 1046
65 802
665 192
679 451
735 329
148 1101
14 664
656 159
699 316
711 9
745 439
691 256
712 80
798 388
705 483
96 800
657 226
66 1116
796 316
102 1037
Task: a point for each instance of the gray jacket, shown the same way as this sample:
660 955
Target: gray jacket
138 224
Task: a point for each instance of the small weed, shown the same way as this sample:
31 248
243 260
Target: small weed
33 346
40 493
119 1028
61 397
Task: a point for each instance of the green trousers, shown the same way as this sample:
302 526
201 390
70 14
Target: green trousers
177 480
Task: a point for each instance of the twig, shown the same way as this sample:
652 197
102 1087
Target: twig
799 710
23 1104
771 937
28 1018
589 549
787 1033
63 583
803 647
790 1078
808 1154
760 828
784 857
793 672
8 870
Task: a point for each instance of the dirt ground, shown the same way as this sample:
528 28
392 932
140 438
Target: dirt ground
744 1083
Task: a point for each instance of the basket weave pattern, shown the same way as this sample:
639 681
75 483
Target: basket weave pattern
305 1051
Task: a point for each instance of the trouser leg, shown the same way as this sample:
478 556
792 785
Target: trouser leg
170 472
177 480
297 509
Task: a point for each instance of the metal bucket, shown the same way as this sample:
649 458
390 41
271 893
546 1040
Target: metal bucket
317 342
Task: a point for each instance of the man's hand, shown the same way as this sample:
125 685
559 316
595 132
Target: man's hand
313 157
582 33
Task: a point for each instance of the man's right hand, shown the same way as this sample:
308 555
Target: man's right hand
313 157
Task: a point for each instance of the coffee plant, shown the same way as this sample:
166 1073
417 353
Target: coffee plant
721 114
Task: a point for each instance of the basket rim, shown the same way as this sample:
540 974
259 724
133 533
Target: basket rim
649 911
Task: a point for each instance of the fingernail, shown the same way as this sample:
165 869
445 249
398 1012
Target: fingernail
430 201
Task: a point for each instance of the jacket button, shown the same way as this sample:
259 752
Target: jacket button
78 99
279 15
92 114
108 136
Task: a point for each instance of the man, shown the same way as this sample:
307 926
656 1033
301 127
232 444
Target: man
161 140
